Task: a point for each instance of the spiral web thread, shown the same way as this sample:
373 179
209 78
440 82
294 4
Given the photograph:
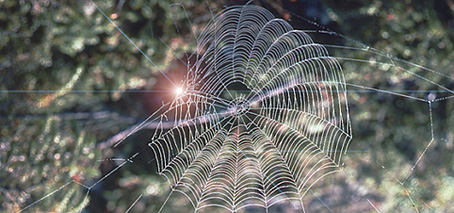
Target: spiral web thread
262 118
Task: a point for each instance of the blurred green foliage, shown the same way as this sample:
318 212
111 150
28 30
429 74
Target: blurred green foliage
53 48
62 63
41 156
395 131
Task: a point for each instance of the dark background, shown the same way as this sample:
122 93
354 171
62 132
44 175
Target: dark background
70 81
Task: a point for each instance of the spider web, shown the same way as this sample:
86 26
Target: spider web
263 116
271 141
